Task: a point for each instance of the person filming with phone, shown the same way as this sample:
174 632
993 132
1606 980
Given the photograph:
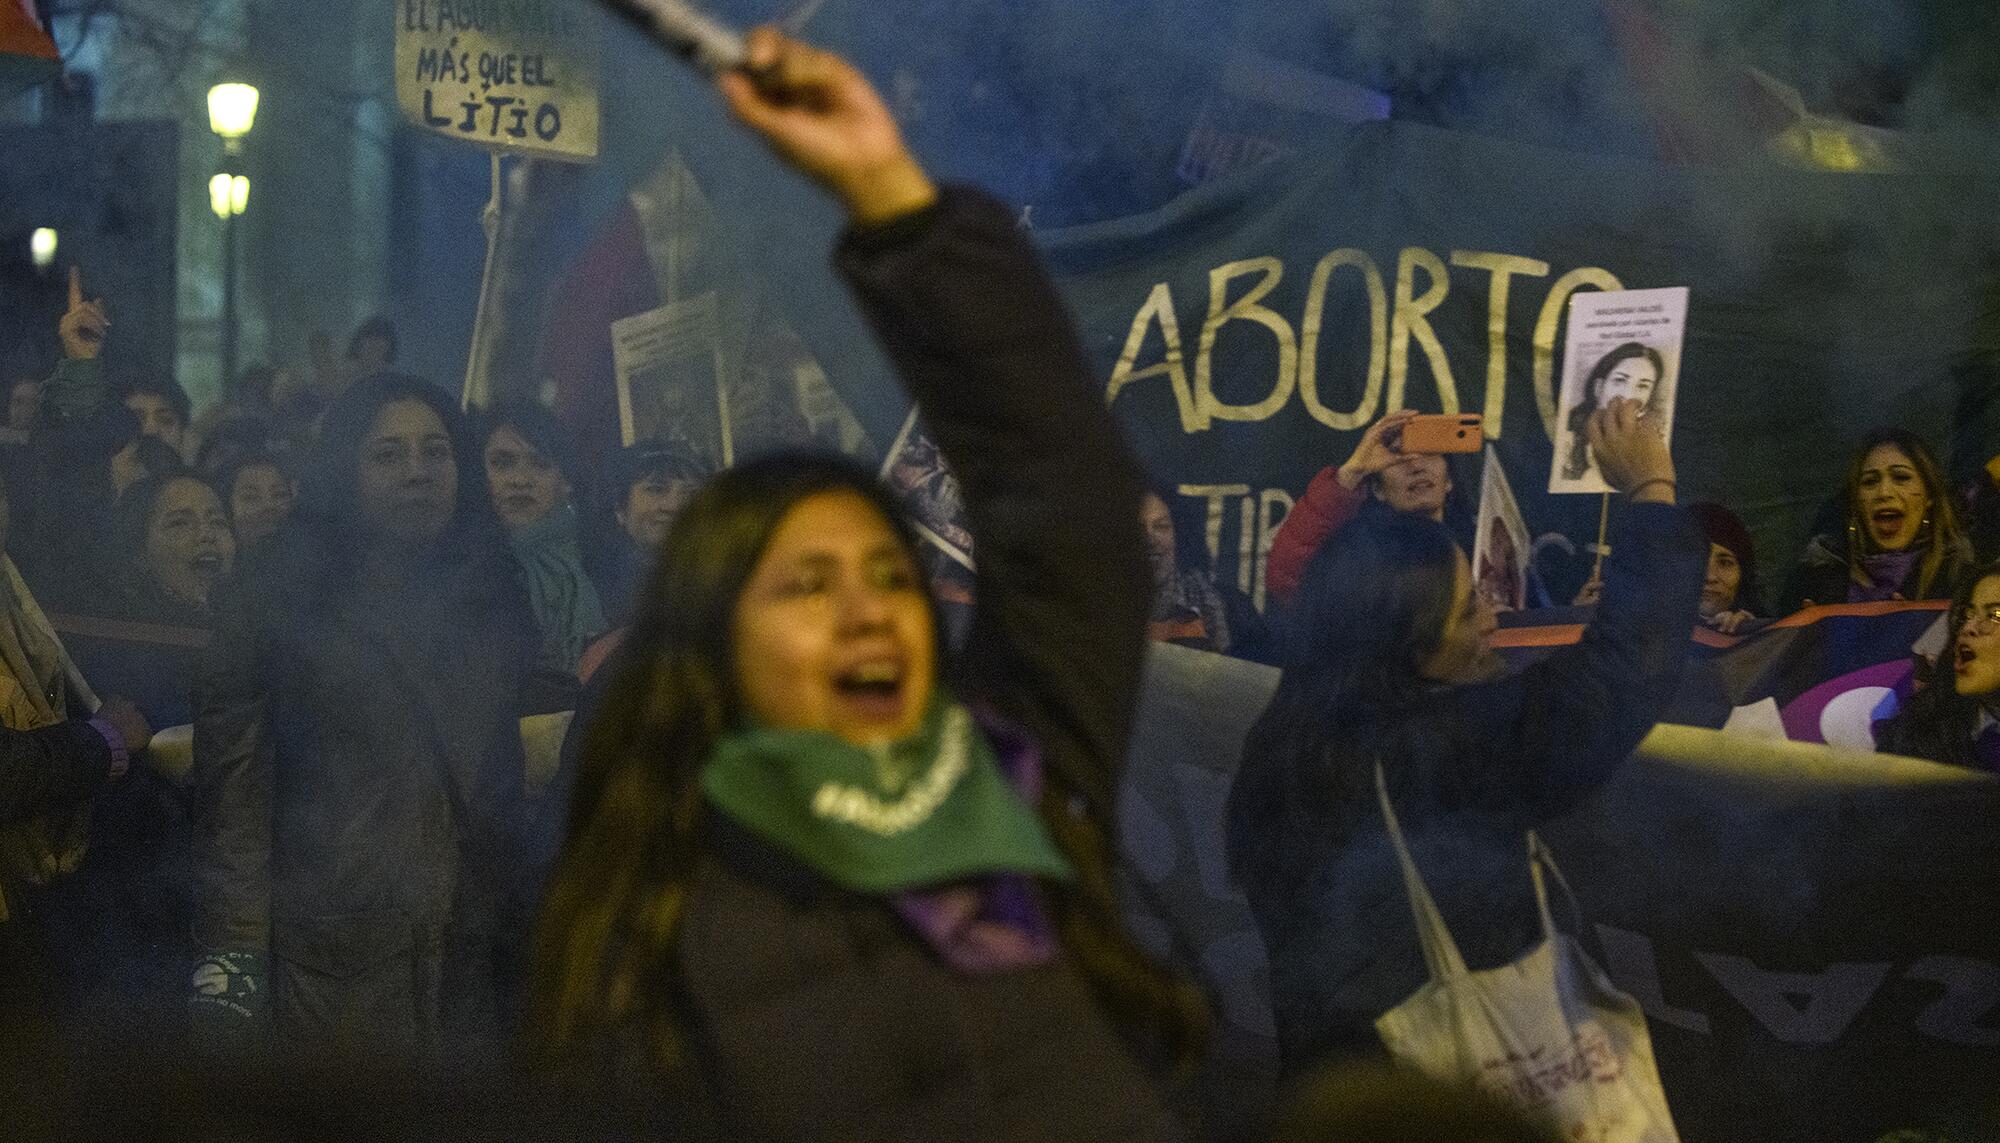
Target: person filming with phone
1399 466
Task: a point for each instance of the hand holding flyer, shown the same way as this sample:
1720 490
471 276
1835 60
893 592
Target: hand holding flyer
1624 344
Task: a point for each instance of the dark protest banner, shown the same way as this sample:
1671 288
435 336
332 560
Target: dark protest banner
1811 931
1248 331
509 75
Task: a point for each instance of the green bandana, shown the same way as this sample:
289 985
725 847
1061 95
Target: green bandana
931 809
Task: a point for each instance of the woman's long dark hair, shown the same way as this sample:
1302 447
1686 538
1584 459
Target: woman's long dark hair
1942 531
327 521
1579 417
1938 723
1373 606
604 956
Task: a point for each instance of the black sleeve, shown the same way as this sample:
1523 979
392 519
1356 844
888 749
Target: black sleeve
1819 584
52 768
976 330
231 784
1576 715
68 453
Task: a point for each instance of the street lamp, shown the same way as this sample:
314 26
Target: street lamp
219 196
229 195
42 247
232 111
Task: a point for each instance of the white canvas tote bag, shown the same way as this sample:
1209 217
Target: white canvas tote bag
1549 1032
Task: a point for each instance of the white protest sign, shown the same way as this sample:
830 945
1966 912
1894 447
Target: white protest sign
510 75
1624 343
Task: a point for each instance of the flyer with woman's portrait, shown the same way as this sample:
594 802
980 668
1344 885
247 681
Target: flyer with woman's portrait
1501 547
1624 343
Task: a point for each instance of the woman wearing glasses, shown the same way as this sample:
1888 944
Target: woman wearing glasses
1955 717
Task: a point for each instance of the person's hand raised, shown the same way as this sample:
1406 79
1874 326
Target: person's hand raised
821 115
1374 453
1630 452
84 323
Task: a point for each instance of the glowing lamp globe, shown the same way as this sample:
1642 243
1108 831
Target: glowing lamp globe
232 110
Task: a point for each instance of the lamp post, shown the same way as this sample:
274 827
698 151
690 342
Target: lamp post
232 110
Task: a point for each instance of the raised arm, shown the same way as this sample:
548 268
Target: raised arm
1052 494
1324 509
77 390
1585 709
976 330
1334 497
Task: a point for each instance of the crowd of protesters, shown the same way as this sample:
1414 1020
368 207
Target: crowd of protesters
352 592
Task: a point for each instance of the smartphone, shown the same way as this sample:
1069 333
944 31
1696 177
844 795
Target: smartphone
1442 432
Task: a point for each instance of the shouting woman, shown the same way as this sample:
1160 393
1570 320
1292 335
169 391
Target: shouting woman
850 890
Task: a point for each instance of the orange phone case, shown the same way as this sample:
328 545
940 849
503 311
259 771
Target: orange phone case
1443 432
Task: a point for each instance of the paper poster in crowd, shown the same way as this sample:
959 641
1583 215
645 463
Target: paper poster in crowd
519 76
1624 343
915 471
1501 545
669 365
778 394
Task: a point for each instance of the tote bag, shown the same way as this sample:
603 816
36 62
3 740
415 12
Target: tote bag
1548 1033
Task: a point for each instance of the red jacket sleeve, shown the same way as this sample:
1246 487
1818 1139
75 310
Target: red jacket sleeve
1325 508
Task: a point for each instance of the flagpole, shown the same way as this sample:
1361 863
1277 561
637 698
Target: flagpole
1603 529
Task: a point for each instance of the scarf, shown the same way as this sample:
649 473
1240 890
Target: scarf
38 685
568 613
941 823
1887 572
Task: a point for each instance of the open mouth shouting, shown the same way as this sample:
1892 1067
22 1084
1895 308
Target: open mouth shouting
1890 526
208 566
873 689
1976 667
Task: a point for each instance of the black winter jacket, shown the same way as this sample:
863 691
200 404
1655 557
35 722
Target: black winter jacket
1469 769
818 1013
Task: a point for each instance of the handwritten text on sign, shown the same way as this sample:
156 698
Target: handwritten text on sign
517 75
